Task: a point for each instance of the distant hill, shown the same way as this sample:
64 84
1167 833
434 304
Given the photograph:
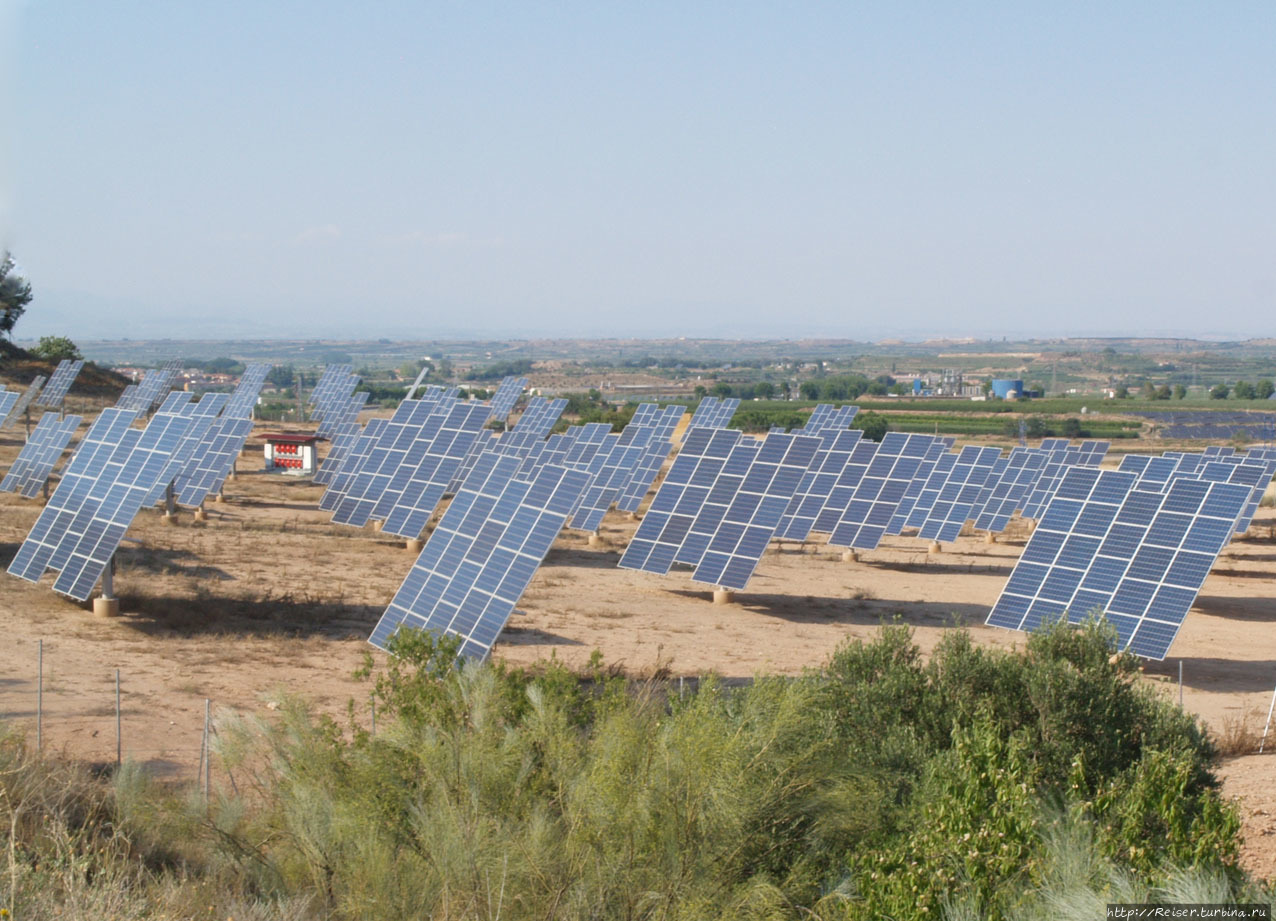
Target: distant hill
18 368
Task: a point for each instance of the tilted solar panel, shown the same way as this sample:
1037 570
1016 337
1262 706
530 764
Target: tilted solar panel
880 490
937 451
743 532
480 559
216 453
934 485
506 396
384 460
1023 468
8 399
59 384
615 469
718 498
962 489
38 457
23 401
351 464
845 484
817 483
653 457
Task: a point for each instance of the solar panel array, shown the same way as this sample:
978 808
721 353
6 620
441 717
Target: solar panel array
938 449
1009 494
333 378
956 500
333 406
713 413
483 554
817 483
22 402
152 389
1061 456
653 457
40 454
59 384
1137 555
825 417
384 460
8 399
351 464
877 496
506 396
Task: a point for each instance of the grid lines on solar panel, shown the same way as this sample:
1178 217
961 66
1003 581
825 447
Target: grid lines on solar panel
1023 468
59 384
713 413
384 460
8 399
113 502
24 401
35 462
817 483
507 394
876 498
482 555
327 381
415 490
244 397
185 457
653 458
844 486
717 499
1235 469
215 455
937 450
614 470
930 491
754 511
333 408
678 500
965 482
1086 454
101 440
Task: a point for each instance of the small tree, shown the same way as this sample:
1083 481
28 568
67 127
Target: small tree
764 390
56 348
1219 392
722 389
1264 389
15 294
1179 391
873 425
1162 392
1244 390
1122 392
281 376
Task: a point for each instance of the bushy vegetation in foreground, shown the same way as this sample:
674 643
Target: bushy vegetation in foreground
977 784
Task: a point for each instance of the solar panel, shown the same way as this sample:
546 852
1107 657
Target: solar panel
328 381
742 532
113 502
1231 469
679 499
480 559
59 384
1218 451
416 488
713 413
1023 468
653 457
957 498
506 396
721 491
40 454
8 398
1086 454
351 464
20 406
103 437
384 460
817 483
611 468
185 457
880 490
826 418
244 397
334 406
929 494
844 486
938 449
152 389
1137 555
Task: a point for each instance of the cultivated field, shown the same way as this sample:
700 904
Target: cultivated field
268 597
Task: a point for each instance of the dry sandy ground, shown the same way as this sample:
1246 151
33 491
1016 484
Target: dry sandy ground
268 597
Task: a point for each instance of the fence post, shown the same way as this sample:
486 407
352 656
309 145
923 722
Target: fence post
39 699
119 744
208 752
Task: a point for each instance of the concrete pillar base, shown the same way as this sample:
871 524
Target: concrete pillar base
169 519
935 547
633 516
414 545
106 607
200 514
595 540
723 596
850 556
376 525
219 498
990 538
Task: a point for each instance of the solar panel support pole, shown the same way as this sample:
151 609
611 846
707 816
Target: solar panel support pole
935 547
414 545
723 596
595 540
106 604
850 556
1268 724
170 504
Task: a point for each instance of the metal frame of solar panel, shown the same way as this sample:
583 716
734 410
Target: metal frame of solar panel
1023 469
678 500
937 450
653 458
1137 555
413 493
482 555
35 462
59 384
958 496
20 405
877 497
817 483
351 464
742 533
384 460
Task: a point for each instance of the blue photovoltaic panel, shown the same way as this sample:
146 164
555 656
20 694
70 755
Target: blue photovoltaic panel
1233 469
480 559
1144 571
755 510
718 498
334 407
1218 451
506 396
412 495
957 498
333 377
930 491
678 501
55 390
113 501
384 460
217 451
1086 454
817 483
1023 468
152 389
826 418
351 464
106 433
653 457
185 458
713 413
20 406
614 472
880 490
1092 509
244 397
344 434
936 452
8 398
845 484
40 454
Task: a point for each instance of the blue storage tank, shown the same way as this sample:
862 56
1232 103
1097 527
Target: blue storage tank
1003 387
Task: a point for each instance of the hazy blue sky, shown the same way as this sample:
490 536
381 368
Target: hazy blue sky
439 169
